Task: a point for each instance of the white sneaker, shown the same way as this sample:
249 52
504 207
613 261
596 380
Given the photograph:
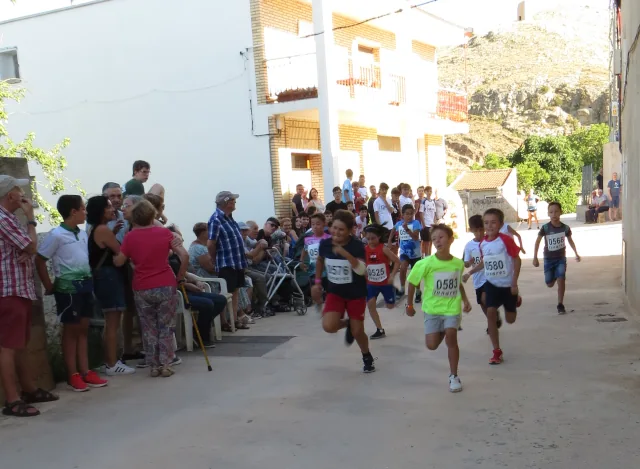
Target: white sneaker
455 385
119 369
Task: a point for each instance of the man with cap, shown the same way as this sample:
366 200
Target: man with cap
226 247
17 291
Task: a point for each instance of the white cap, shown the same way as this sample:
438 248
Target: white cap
8 183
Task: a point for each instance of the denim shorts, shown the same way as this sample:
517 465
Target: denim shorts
108 286
615 201
555 269
435 323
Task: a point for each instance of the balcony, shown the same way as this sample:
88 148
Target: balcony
452 105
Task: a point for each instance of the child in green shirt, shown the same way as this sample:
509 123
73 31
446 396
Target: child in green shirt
443 299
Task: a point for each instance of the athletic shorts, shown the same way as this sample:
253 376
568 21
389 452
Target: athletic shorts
387 292
73 307
425 234
479 292
108 285
615 201
533 209
354 307
15 322
233 277
412 262
500 296
555 269
436 323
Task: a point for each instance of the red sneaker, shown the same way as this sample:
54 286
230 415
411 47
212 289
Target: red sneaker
77 384
94 380
497 357
519 302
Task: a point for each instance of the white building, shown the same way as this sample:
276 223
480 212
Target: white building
232 96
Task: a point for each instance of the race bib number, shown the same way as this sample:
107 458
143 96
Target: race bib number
495 266
446 284
475 257
339 271
555 242
377 273
404 235
313 250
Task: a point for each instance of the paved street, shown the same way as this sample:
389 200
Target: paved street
567 395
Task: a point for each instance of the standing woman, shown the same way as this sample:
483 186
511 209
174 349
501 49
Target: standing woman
532 207
154 284
108 280
314 200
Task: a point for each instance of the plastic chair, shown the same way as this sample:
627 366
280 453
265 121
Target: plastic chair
222 283
188 322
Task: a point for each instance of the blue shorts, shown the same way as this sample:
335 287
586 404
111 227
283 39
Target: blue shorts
412 262
615 201
108 286
387 292
73 307
555 269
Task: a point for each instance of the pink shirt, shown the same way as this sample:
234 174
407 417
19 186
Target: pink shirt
148 249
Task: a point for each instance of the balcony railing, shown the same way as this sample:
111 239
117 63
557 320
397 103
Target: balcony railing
452 105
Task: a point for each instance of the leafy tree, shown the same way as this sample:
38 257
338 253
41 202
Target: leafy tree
492 161
588 143
51 162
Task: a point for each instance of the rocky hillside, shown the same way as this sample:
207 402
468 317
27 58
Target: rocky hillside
546 76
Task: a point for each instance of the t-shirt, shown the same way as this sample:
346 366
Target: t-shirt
504 229
297 201
133 187
405 201
363 192
378 267
498 255
614 187
343 281
346 186
555 240
334 206
428 210
441 207
360 225
383 212
408 246
442 281
312 248
68 250
599 199
472 254
532 201
196 250
148 249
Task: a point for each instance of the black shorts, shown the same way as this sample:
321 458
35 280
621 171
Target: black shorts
425 234
479 292
72 307
233 277
500 296
411 262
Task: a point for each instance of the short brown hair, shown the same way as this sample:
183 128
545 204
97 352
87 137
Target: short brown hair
155 200
445 228
495 211
199 228
346 217
143 213
319 216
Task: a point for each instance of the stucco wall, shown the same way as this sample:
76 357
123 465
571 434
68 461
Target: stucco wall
147 79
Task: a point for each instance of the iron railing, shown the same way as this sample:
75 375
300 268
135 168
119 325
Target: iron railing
588 183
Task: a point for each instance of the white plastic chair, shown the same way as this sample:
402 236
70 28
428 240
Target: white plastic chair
222 283
188 322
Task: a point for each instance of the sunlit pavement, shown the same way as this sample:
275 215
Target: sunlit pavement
567 395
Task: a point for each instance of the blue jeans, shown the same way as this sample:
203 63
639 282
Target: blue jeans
208 306
555 269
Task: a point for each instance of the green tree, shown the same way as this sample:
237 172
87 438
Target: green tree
588 143
492 161
52 162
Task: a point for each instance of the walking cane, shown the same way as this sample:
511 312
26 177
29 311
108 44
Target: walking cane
187 305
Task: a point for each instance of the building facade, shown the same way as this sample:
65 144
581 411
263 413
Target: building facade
252 96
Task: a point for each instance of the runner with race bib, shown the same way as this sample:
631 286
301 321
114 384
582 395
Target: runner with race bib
379 275
312 247
343 257
501 264
408 231
556 234
443 300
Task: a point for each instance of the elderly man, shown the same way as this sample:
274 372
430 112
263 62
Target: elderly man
120 226
600 204
17 291
226 247
297 201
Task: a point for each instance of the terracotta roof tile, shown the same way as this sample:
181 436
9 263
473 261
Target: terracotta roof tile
482 180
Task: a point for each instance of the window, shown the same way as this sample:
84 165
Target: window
300 161
9 69
389 143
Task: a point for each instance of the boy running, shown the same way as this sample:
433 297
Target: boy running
312 244
555 253
408 231
441 274
343 256
379 275
66 246
500 259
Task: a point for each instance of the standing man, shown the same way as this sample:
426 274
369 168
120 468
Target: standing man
297 206
441 209
614 194
383 208
141 172
370 202
600 178
226 247
119 226
362 189
17 291
347 189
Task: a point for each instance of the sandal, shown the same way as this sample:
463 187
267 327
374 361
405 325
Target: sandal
226 328
19 409
37 396
241 325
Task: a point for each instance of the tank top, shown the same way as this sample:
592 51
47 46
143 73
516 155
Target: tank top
377 265
96 253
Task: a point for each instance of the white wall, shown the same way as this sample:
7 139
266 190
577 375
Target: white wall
157 80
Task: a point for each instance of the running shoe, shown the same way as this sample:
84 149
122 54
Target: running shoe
455 385
561 309
176 361
94 380
118 369
378 334
368 367
348 336
206 343
77 384
497 357
418 297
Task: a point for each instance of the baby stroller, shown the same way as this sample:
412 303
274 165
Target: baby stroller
282 279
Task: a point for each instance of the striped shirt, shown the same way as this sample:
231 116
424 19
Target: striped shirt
225 232
16 279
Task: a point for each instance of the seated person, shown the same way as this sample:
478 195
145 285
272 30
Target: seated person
208 305
599 205
273 235
199 257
